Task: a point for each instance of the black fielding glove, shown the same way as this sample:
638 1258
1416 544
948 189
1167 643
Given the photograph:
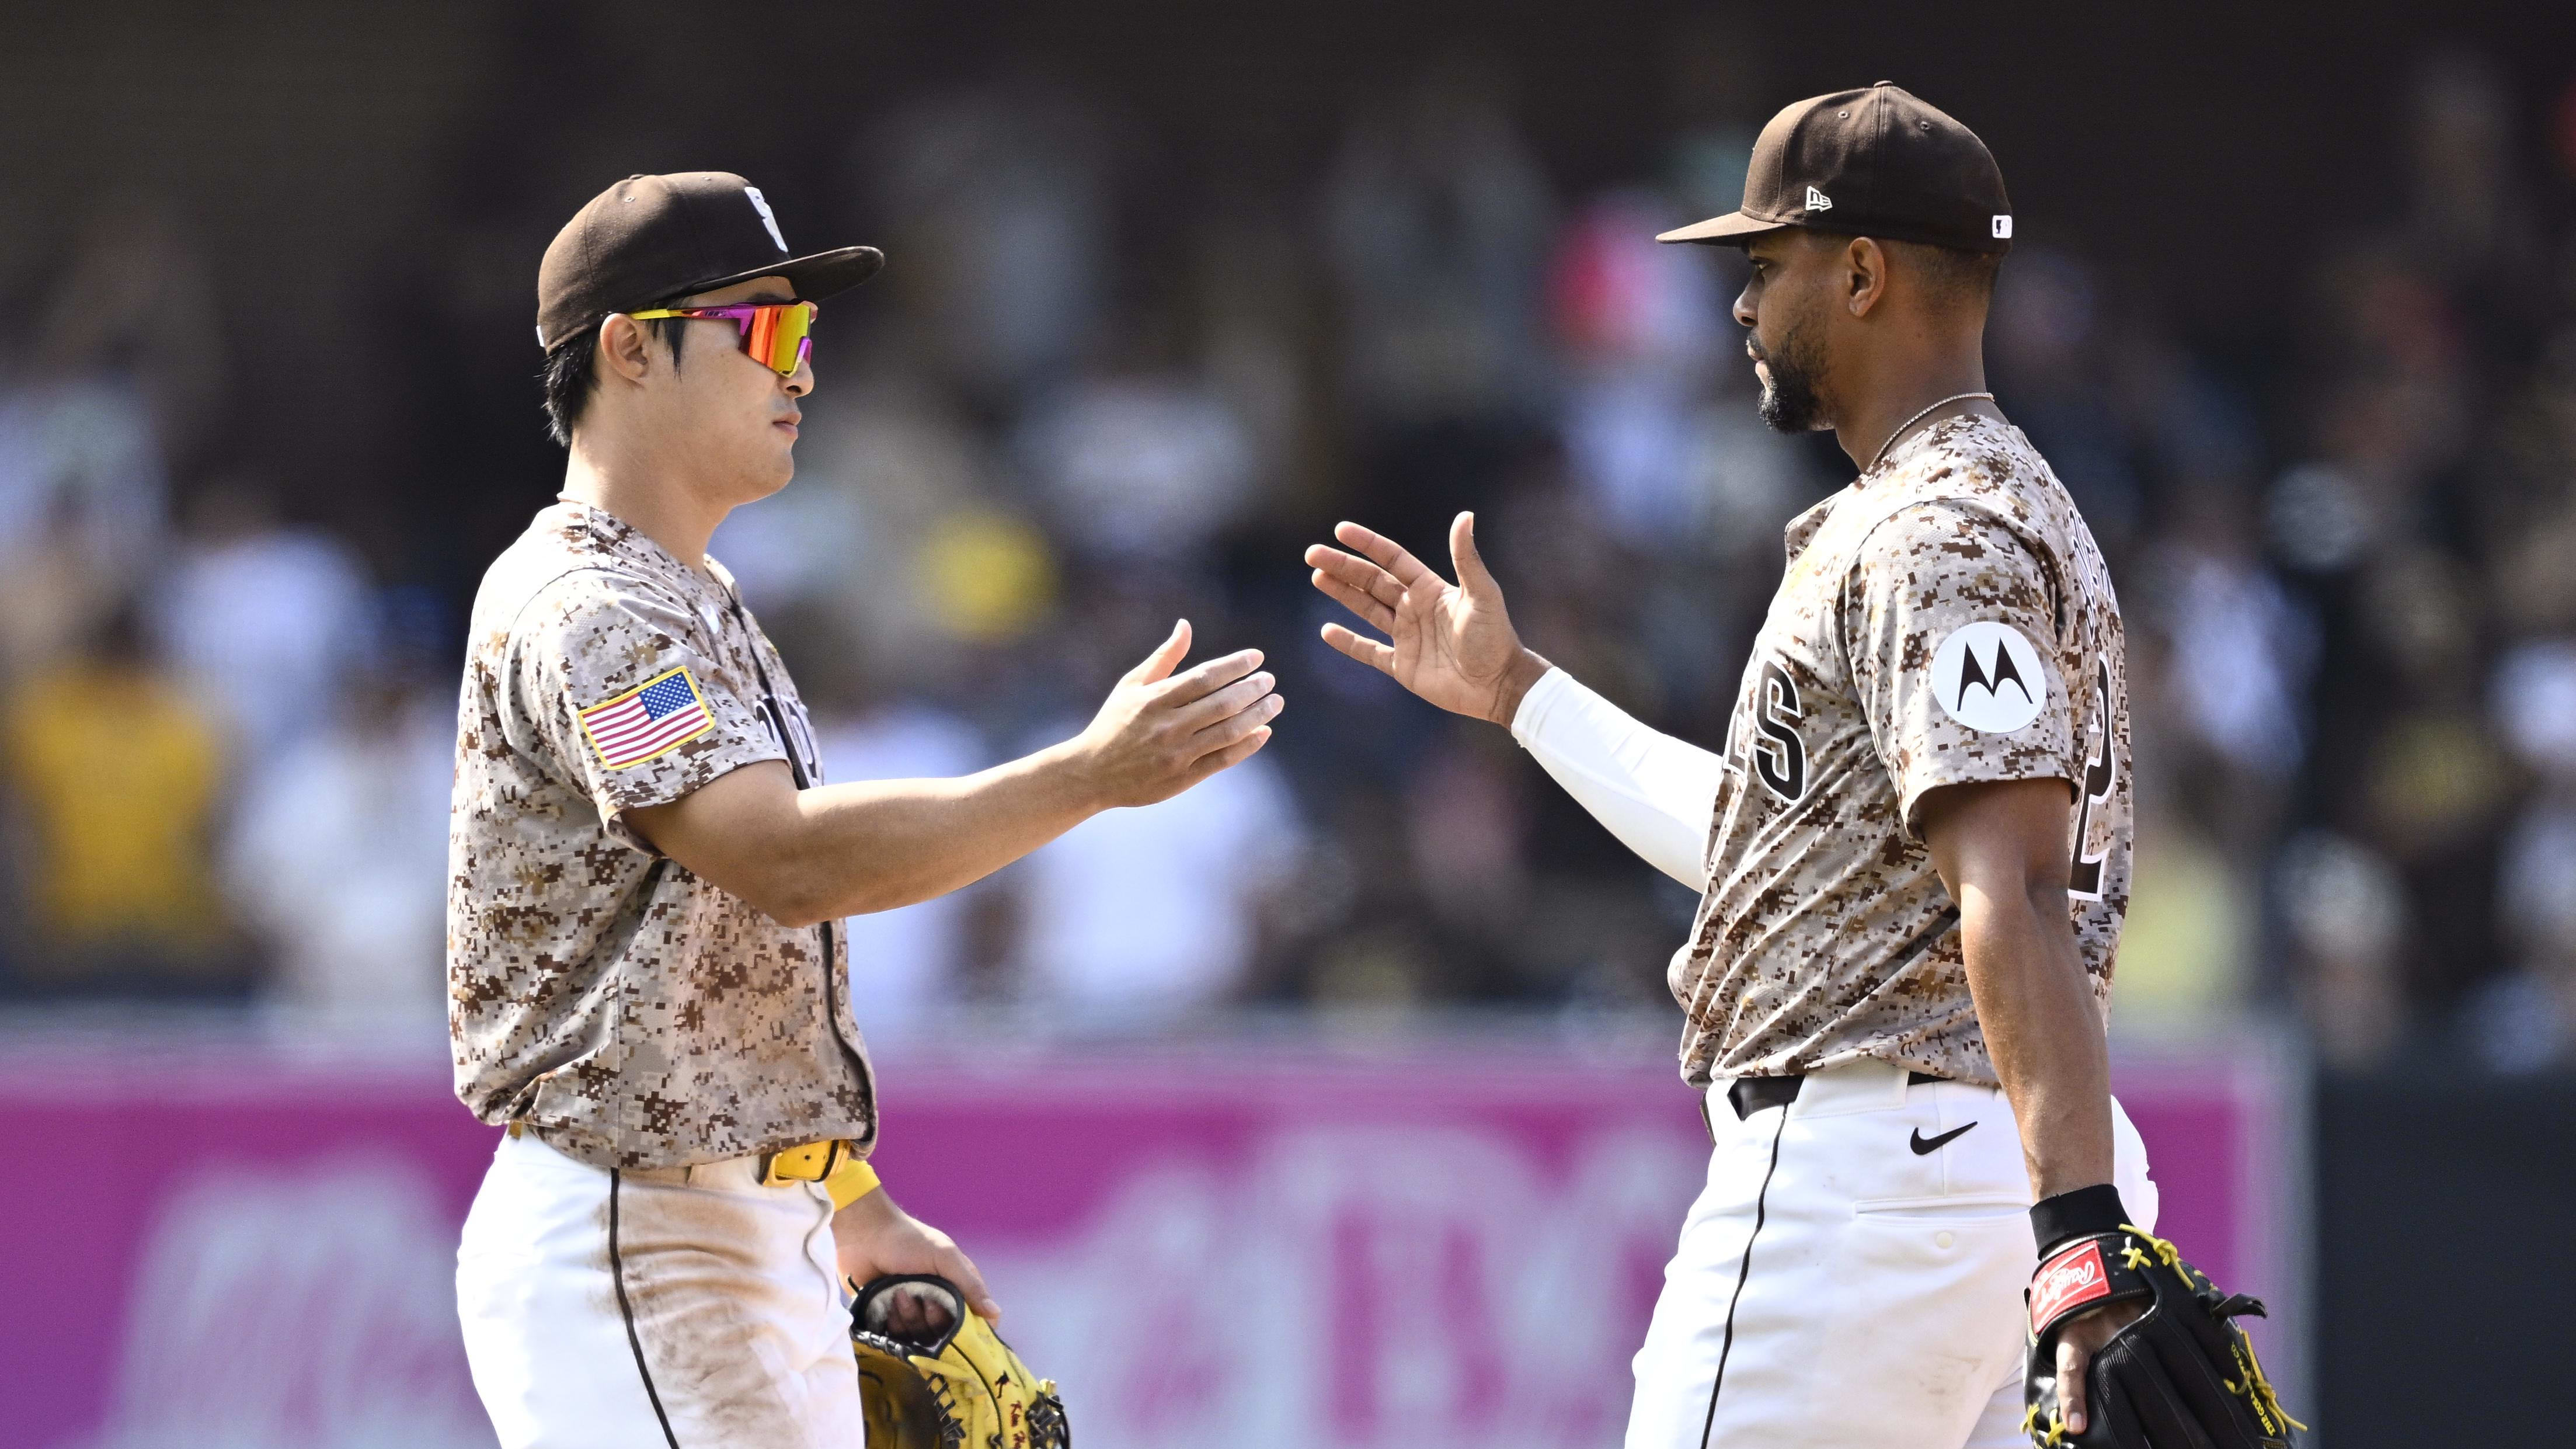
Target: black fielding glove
2182 1376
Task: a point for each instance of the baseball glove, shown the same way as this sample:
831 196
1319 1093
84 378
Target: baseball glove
934 1376
2183 1376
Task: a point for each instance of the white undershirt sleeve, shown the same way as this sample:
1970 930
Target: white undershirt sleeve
1654 792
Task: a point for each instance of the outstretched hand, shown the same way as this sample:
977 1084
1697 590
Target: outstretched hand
1452 644
1159 732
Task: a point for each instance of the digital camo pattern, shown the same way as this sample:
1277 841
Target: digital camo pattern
1825 934
630 1013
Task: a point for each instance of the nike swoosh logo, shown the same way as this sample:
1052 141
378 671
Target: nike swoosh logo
1923 1145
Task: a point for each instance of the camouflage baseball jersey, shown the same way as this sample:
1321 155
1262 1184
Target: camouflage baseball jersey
629 1013
1945 619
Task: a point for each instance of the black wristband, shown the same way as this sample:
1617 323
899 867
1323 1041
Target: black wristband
2077 1214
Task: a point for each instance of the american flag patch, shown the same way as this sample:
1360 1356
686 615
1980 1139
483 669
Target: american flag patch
653 717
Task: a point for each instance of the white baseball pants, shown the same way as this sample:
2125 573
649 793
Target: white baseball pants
684 1308
1851 1278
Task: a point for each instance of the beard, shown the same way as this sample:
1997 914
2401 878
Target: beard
1790 400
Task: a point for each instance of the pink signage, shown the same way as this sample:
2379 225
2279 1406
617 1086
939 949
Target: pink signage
1430 1245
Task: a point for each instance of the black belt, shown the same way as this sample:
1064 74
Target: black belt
1751 1094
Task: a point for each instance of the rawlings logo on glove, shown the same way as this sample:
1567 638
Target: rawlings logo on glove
2072 1277
932 1375
2183 1374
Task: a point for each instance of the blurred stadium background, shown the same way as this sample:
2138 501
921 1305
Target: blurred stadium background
1354 1064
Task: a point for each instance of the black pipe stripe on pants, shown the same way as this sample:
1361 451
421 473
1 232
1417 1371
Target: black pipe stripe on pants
1726 1345
626 1310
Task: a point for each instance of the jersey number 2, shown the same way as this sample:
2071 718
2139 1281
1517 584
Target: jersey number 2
2084 880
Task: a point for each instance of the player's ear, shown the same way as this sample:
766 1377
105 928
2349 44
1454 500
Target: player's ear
622 348
1864 267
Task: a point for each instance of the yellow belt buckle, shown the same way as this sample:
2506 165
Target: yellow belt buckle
809 1162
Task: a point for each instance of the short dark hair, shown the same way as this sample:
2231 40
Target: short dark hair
571 372
1953 277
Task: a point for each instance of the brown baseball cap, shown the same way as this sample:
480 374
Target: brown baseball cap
652 238
1878 162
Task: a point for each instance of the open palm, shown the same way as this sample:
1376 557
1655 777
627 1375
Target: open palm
1452 644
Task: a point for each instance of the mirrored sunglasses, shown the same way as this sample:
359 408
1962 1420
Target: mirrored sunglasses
777 335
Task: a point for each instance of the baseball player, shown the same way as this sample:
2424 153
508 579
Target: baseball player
646 981
1913 849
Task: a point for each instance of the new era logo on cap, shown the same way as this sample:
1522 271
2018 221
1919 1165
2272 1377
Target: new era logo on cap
1818 201
2003 227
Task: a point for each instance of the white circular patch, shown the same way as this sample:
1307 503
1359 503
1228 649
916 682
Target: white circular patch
1988 677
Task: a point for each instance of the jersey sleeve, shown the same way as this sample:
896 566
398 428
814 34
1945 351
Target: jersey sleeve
1950 626
611 684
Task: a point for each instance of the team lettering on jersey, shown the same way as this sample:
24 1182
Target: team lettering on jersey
1779 756
1772 750
1946 620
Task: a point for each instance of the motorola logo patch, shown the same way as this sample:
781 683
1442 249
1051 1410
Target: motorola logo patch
1988 677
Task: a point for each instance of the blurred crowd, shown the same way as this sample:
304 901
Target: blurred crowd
1065 417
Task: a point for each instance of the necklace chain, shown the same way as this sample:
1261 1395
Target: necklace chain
1881 455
